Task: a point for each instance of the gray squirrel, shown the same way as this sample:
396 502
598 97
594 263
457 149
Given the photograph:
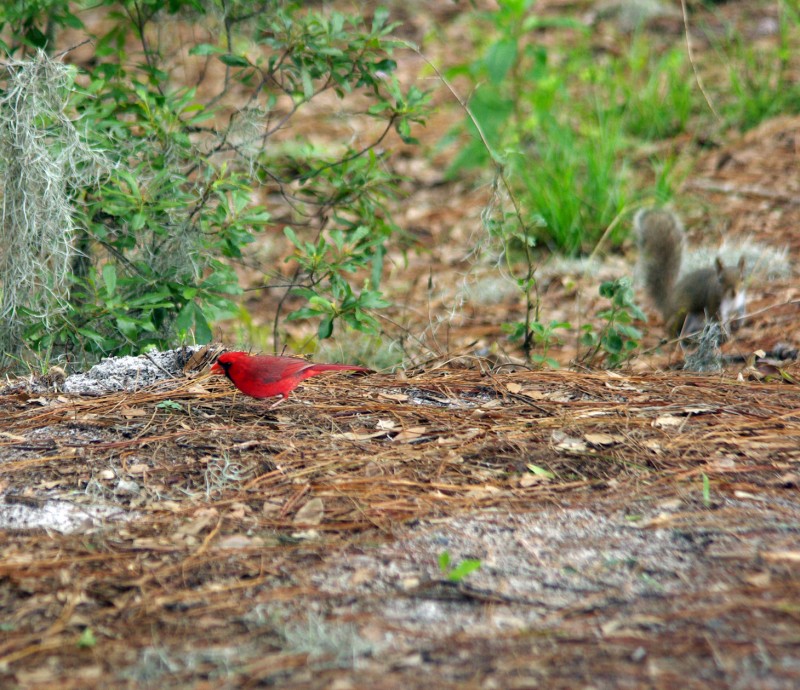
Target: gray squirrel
713 293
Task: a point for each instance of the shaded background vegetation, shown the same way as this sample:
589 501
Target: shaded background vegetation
172 155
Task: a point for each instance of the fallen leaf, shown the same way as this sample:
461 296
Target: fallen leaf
563 441
409 583
361 575
131 412
169 506
271 506
483 491
197 359
468 435
311 513
534 394
723 464
397 397
600 439
126 487
353 436
236 541
306 535
413 432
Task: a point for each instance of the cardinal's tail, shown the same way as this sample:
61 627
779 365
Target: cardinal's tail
318 368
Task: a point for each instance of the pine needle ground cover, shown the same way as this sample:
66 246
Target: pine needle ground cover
631 530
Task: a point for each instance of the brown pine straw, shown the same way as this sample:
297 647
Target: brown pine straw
378 451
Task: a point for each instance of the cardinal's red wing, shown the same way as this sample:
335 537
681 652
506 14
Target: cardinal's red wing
266 369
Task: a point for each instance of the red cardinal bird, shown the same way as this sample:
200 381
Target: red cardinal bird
264 376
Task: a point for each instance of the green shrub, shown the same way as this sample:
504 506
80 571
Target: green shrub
167 190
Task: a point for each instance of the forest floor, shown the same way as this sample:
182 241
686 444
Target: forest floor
634 528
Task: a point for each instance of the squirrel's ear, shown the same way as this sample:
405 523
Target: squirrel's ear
719 266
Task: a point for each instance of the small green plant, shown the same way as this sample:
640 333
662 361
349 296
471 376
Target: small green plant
618 338
326 262
457 572
539 335
87 640
170 405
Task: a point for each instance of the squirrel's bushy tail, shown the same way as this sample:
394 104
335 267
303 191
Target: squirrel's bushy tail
660 237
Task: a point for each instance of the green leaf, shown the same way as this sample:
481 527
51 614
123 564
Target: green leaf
308 85
500 58
325 328
612 343
608 289
70 20
540 471
403 128
304 313
463 568
234 60
183 322
205 49
706 490
377 267
92 335
324 305
372 299
202 330
137 221
292 237
110 278
379 18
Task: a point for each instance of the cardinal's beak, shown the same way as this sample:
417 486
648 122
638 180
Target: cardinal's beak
217 369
